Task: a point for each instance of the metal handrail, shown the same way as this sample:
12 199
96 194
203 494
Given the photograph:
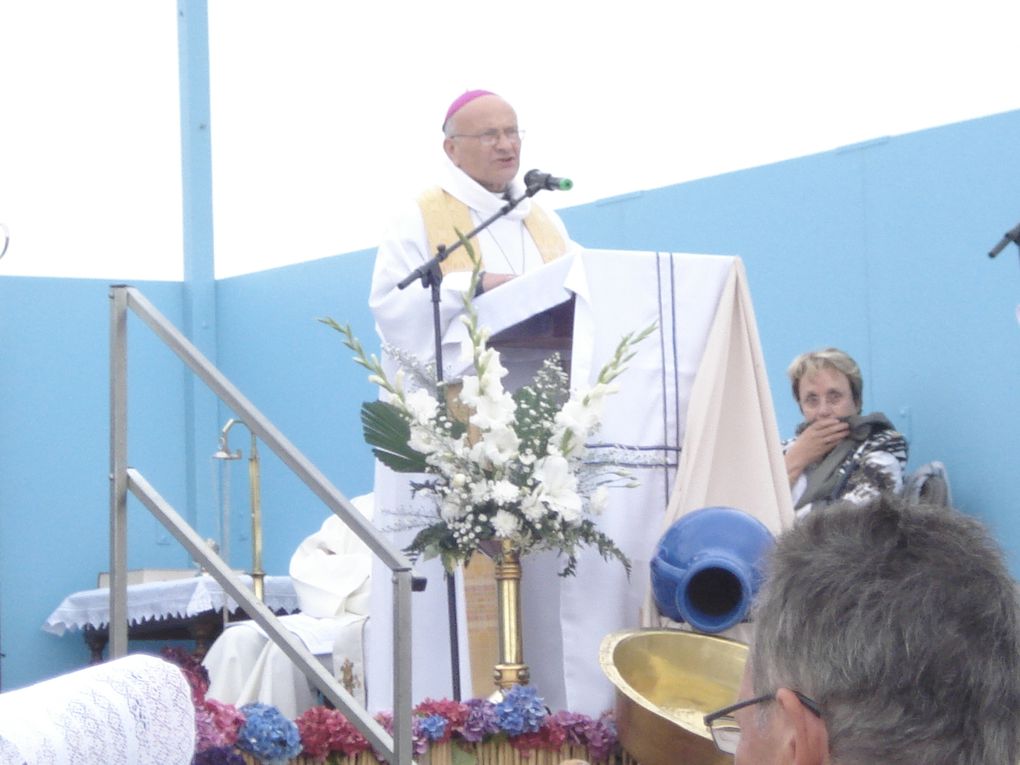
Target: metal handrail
395 749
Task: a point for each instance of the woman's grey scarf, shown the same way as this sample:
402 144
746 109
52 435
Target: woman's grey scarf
825 478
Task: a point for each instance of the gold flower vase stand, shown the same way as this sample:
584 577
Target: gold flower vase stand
511 669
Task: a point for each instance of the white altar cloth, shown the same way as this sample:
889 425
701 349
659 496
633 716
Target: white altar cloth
133 711
161 600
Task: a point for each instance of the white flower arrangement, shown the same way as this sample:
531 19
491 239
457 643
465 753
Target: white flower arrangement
516 472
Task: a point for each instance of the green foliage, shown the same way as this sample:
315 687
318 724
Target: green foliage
387 431
538 403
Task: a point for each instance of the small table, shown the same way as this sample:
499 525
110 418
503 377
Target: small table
179 609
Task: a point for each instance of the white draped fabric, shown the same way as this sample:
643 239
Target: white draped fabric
330 571
160 600
133 711
619 292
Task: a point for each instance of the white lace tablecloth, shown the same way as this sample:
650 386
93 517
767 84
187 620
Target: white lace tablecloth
162 600
133 711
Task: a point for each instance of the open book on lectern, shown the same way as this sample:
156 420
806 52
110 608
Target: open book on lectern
529 317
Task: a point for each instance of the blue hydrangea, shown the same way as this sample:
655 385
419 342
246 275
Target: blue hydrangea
268 735
434 726
522 710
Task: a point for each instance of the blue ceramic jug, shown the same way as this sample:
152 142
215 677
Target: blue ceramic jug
707 567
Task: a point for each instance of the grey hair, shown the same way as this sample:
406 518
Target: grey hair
902 622
832 358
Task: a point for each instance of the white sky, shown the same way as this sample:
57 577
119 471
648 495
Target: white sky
326 114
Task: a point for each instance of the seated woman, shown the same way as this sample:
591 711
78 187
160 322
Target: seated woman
838 454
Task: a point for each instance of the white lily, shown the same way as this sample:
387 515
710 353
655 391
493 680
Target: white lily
558 487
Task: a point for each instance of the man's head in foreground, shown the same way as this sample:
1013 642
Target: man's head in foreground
887 633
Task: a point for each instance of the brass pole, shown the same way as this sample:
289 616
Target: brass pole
257 574
511 669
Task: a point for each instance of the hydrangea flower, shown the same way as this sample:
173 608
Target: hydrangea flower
324 731
480 721
434 727
520 711
268 735
224 755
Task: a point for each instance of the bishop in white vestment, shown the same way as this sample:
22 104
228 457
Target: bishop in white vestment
482 143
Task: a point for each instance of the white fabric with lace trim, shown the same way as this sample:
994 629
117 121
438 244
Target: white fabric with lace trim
132 711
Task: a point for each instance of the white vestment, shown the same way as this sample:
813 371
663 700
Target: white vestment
330 571
404 319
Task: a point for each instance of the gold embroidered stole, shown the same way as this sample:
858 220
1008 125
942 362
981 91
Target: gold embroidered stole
445 215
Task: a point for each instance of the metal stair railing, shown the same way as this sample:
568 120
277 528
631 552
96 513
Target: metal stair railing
395 749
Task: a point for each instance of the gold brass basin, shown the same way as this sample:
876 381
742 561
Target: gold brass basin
666 681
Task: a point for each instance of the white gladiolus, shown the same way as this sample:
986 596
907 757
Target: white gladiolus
493 412
494 369
469 390
467 347
496 447
578 417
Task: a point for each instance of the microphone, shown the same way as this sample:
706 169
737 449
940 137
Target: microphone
1013 235
537 180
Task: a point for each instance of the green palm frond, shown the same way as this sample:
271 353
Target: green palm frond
387 432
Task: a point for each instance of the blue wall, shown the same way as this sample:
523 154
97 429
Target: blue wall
878 248
54 436
299 374
54 432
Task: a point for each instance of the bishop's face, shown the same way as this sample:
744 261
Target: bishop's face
483 142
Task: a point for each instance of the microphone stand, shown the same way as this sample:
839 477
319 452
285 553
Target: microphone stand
1013 235
431 276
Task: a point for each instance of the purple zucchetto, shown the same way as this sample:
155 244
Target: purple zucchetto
463 100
